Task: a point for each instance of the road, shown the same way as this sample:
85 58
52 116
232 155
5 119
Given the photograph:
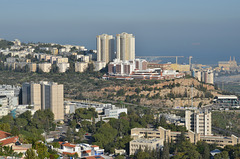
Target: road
217 129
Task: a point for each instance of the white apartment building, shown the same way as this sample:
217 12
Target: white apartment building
63 67
125 45
81 66
105 48
121 67
114 112
199 121
45 67
98 65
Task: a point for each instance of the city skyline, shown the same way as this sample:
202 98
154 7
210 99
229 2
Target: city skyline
200 29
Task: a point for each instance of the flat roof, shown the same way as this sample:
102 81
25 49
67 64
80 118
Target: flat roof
226 97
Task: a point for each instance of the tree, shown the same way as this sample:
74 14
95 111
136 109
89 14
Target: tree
30 154
137 90
165 153
69 136
5 127
206 152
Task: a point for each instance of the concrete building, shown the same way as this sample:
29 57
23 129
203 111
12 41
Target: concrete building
63 67
54 51
230 65
168 135
125 46
9 95
35 95
142 143
114 112
61 60
32 67
141 64
226 100
98 65
207 77
105 48
44 95
81 66
45 67
120 67
197 74
180 68
199 121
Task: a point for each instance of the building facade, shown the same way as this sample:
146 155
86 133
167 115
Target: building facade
125 45
105 48
44 95
199 121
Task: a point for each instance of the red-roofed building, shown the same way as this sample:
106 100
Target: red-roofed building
4 134
9 141
83 149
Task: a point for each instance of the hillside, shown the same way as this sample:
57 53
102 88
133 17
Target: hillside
176 92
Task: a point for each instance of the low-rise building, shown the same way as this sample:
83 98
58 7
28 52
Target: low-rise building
81 66
143 143
45 67
168 135
83 150
32 67
63 67
98 65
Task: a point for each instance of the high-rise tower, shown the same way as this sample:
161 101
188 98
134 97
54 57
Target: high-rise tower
44 95
125 46
105 48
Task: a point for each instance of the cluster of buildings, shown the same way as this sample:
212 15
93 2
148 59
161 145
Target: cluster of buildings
206 76
198 124
31 97
230 65
8 140
9 101
104 110
122 63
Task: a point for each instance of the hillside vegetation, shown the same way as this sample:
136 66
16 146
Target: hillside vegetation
178 92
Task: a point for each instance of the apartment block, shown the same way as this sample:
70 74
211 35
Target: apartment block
199 121
63 67
81 66
32 67
98 65
45 67
125 46
105 48
44 95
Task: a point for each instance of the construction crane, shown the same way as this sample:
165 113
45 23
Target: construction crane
159 57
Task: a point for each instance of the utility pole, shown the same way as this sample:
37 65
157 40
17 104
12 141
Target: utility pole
192 95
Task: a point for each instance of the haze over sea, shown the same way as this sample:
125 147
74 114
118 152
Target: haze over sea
206 30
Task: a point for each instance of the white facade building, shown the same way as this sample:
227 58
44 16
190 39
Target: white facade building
105 48
63 67
125 46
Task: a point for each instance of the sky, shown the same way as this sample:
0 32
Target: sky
208 30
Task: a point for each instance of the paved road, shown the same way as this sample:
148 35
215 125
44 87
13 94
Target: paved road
217 129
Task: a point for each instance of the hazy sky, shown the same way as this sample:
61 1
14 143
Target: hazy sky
201 28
